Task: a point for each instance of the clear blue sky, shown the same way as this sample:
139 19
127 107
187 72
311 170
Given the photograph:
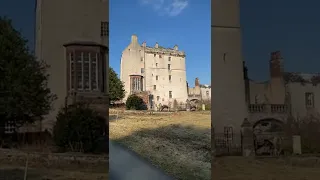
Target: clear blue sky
186 23
267 26
292 27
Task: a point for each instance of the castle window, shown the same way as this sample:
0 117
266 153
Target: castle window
157 78
136 84
104 29
170 94
158 98
154 87
156 64
9 127
142 70
309 98
141 58
169 77
154 55
84 67
169 59
169 66
86 70
160 56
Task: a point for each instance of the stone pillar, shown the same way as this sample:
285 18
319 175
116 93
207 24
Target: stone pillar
188 105
247 138
296 143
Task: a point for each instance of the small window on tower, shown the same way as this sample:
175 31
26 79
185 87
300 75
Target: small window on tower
169 66
158 98
104 31
169 77
142 70
154 55
154 87
156 64
170 94
169 59
160 56
157 78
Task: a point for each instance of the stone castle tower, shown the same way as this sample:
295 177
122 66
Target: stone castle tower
158 71
73 37
228 93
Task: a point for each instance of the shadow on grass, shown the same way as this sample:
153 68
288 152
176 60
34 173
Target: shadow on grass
182 151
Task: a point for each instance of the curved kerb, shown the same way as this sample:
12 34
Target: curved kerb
127 165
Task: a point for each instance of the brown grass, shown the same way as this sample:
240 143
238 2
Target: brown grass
241 168
178 143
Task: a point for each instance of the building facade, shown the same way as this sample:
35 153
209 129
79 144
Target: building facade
72 37
200 92
228 105
299 92
159 71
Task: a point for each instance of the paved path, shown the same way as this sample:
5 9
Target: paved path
127 165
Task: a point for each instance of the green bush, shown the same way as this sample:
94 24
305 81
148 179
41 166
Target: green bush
135 102
79 128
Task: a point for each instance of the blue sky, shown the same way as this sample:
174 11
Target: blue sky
168 22
289 26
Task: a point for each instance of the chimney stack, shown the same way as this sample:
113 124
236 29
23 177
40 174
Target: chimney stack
276 64
197 83
134 39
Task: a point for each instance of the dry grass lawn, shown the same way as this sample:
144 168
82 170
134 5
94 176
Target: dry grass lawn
240 168
177 143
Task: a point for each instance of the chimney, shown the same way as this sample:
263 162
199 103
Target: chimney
157 45
144 44
197 83
276 64
175 47
134 39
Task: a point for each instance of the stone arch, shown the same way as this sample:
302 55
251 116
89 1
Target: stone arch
268 135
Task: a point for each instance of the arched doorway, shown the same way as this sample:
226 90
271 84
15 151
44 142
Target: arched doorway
193 104
268 136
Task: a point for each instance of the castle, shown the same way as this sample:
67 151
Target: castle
253 115
158 72
72 37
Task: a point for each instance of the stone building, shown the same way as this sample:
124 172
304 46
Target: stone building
199 91
158 71
249 114
298 91
229 107
73 37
